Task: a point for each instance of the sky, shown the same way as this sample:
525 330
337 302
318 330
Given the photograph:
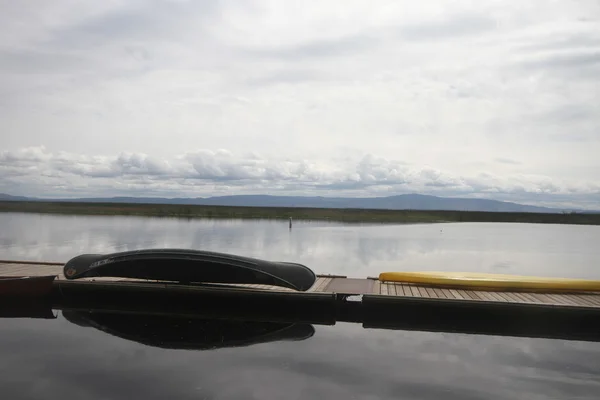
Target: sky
495 99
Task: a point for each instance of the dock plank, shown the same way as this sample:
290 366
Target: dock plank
399 289
377 287
560 300
472 294
314 286
464 294
519 298
402 291
582 300
386 290
392 289
593 298
423 291
317 285
414 290
508 297
491 296
542 298
485 296
350 286
532 299
323 282
455 294
406 290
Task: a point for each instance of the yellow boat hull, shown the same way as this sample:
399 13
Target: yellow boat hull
498 282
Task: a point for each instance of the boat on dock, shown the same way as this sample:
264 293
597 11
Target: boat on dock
493 282
190 266
210 285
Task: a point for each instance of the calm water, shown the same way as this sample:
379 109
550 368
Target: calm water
353 250
56 358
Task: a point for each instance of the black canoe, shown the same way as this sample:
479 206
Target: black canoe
190 266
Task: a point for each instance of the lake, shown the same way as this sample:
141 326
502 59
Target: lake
356 250
56 358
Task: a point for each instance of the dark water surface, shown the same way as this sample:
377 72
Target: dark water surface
56 358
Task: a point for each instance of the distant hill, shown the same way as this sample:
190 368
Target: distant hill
400 202
4 196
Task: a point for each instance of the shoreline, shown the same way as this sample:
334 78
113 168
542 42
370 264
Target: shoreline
283 213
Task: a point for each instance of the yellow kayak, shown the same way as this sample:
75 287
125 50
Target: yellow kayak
482 281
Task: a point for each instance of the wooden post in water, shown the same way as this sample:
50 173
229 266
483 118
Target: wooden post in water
290 222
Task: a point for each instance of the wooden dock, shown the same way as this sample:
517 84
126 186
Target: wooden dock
349 286
369 301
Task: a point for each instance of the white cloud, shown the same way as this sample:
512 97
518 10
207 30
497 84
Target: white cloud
453 90
203 173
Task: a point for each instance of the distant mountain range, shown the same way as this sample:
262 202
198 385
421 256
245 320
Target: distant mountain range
400 202
4 196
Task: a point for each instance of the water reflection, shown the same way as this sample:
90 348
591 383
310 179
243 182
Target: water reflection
171 332
353 250
26 308
56 358
53 358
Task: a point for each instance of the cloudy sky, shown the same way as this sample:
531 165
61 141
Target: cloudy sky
349 98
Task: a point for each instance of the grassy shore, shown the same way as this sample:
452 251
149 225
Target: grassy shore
324 214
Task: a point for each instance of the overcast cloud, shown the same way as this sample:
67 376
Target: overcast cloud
348 98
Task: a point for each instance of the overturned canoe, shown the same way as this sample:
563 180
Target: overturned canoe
190 266
482 281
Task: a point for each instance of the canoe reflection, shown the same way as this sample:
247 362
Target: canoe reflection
190 334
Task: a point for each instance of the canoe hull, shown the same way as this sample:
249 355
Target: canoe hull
190 266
